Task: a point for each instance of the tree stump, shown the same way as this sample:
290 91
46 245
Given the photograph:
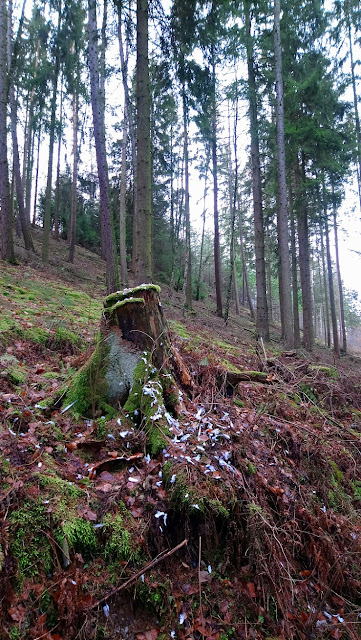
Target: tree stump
133 367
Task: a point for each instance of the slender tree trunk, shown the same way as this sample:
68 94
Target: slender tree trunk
74 188
304 258
296 315
282 213
233 189
127 105
57 189
199 279
355 101
339 280
262 323
142 227
324 280
112 278
25 227
122 207
336 344
47 212
30 142
7 246
244 267
36 177
187 287
217 256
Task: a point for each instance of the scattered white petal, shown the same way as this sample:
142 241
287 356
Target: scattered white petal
147 458
106 610
142 577
123 433
135 480
68 407
72 581
182 618
172 634
172 480
40 464
209 569
131 469
196 506
12 432
201 411
110 436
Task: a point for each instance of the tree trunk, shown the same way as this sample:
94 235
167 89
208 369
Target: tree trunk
336 344
233 189
142 226
199 279
25 227
217 257
74 188
30 142
296 315
324 281
36 177
282 213
57 188
127 104
47 212
262 323
304 258
245 282
355 101
112 279
339 281
7 247
122 208
187 287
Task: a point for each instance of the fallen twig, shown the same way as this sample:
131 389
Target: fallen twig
139 573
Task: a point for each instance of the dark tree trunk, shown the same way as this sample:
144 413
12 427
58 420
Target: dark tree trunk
324 282
187 287
339 282
336 344
142 227
262 323
282 213
36 178
296 315
25 225
304 258
112 278
7 247
57 188
74 188
47 212
217 256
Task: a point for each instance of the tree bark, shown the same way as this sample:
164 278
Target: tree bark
339 280
74 188
282 213
245 281
36 178
122 207
112 279
187 287
217 257
296 315
57 188
304 257
324 282
262 323
336 344
355 101
25 226
142 226
47 212
7 247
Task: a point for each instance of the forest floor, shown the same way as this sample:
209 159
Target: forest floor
261 479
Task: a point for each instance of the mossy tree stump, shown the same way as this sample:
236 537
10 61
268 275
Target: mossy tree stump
133 365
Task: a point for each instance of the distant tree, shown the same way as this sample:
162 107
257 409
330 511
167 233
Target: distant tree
7 248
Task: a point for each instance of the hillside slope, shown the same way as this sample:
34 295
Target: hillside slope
261 477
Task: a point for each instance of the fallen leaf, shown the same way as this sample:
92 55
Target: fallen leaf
251 589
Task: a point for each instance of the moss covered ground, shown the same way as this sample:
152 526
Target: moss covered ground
261 477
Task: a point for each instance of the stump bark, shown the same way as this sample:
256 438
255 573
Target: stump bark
133 367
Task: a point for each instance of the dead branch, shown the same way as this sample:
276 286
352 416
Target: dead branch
139 573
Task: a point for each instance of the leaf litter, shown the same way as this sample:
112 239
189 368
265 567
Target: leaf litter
266 476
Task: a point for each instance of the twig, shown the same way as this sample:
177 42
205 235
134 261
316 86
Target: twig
139 573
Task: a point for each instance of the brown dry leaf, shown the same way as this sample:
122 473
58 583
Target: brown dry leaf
336 633
305 573
17 613
204 576
224 606
251 589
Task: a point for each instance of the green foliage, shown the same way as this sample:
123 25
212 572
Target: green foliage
30 545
